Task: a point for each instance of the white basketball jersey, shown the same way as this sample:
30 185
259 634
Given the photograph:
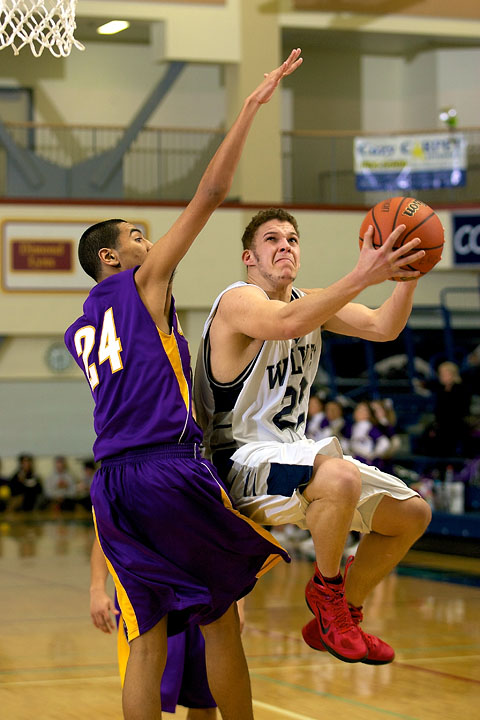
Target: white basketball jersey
267 401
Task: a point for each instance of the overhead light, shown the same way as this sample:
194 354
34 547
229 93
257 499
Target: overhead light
112 27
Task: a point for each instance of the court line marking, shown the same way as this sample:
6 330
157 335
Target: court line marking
57 669
442 673
57 680
335 698
279 711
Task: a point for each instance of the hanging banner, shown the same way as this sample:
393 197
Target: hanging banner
407 162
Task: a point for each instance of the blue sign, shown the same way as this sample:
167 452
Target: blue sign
407 162
466 239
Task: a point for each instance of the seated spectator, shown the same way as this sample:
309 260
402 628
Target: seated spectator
25 486
333 423
336 424
59 489
4 491
315 417
368 442
386 417
83 486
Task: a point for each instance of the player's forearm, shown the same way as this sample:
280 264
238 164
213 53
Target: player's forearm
392 316
98 568
218 177
316 308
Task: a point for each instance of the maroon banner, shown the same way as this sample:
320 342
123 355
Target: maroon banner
39 256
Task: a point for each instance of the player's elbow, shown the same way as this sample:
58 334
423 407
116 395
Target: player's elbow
384 332
290 328
213 194
388 336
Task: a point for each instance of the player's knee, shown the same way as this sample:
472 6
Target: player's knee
420 515
414 517
226 623
337 478
349 481
151 646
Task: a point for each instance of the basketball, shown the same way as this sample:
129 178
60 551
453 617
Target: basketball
420 220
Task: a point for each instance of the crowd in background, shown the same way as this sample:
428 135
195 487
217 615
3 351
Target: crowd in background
443 457
61 490
367 430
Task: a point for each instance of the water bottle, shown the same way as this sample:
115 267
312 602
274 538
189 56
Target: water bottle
448 485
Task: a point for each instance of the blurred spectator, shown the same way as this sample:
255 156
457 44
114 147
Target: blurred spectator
315 417
59 488
387 418
447 435
369 442
470 370
4 491
83 487
336 424
25 486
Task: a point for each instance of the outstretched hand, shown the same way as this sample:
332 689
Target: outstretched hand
272 79
387 263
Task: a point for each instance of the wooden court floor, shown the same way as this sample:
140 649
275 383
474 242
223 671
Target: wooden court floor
54 665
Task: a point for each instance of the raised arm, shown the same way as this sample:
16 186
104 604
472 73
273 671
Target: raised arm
212 190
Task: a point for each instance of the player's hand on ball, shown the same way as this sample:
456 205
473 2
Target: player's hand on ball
385 263
398 256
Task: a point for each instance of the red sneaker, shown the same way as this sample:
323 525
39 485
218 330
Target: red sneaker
379 652
336 630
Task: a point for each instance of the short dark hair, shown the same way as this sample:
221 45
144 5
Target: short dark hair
264 216
98 236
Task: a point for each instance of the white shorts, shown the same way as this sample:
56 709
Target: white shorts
267 480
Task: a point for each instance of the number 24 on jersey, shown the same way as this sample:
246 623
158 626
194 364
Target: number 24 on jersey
109 348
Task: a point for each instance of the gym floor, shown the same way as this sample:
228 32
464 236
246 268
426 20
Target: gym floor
54 665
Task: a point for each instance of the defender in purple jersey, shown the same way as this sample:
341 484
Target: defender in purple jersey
184 680
177 550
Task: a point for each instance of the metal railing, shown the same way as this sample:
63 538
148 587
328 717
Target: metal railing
167 163
161 163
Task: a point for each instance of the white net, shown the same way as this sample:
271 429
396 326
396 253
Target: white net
40 24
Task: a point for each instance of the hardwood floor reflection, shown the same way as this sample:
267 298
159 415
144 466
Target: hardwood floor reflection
54 665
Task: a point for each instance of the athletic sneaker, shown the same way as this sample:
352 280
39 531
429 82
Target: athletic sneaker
336 630
379 652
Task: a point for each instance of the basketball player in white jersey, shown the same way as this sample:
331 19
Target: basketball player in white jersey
257 361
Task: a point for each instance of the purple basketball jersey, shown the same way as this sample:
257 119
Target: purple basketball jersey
140 377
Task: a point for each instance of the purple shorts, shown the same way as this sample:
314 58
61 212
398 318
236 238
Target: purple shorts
184 680
173 542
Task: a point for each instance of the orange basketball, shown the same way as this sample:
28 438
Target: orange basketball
420 221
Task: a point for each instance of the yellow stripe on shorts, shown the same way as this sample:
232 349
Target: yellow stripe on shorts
128 613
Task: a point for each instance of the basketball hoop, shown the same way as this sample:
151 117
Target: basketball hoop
39 23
